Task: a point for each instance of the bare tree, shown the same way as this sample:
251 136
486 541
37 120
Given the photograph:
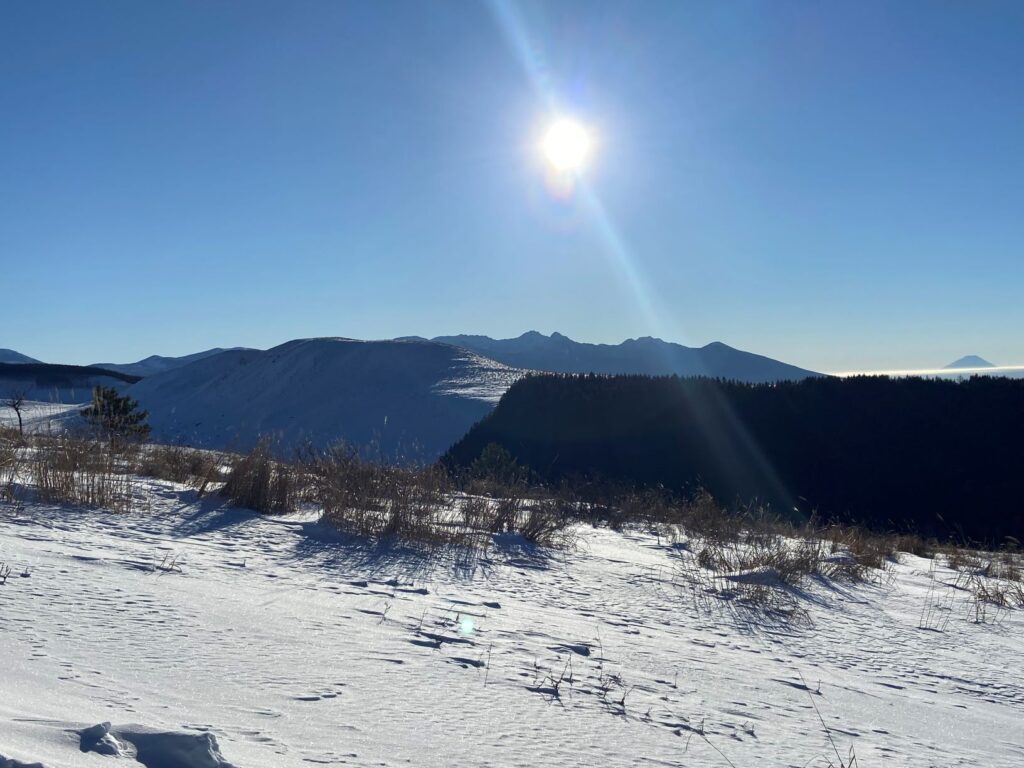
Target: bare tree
16 400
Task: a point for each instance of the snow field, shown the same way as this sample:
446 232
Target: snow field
292 645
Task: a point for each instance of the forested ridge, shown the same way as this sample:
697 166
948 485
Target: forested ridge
938 457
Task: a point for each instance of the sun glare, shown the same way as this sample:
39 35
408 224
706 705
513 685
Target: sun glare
566 145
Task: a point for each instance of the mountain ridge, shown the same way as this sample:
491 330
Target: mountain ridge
154 364
407 399
13 356
52 382
648 355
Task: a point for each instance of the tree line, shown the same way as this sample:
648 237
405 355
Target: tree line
940 458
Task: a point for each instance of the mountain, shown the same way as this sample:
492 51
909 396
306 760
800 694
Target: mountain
407 398
58 383
10 356
158 364
646 355
970 361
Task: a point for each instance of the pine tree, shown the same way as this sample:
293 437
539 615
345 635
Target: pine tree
116 416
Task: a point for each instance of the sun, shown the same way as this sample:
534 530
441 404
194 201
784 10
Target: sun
566 145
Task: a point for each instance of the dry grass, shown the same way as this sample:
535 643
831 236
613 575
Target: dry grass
83 472
10 463
544 524
187 466
421 505
259 482
761 564
1006 565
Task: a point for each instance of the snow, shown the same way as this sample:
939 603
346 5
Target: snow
43 417
408 397
277 642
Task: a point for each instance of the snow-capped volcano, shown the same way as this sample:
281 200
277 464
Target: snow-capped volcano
970 361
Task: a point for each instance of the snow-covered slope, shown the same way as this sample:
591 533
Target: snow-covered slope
43 418
292 647
412 398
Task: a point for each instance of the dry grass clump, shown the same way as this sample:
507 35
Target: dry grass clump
989 582
381 501
989 597
857 554
421 505
544 524
10 462
760 562
779 560
259 482
84 472
188 466
1006 565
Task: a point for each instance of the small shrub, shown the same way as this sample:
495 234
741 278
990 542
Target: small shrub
507 512
543 524
704 517
177 464
478 513
10 464
258 482
497 466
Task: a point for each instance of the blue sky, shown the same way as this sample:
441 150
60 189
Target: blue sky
835 185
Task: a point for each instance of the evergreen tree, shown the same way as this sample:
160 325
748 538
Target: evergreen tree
116 416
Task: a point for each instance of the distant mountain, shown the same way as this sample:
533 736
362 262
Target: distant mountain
10 356
158 364
411 398
58 383
646 355
970 361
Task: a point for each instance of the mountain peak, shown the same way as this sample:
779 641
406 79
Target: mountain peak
970 361
11 356
646 355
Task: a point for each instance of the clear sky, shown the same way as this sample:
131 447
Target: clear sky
837 185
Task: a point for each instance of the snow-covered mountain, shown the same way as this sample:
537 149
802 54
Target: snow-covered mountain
646 355
47 383
970 361
158 363
410 398
11 356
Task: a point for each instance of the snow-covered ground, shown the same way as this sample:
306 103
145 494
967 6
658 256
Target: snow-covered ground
42 418
292 646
